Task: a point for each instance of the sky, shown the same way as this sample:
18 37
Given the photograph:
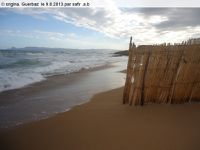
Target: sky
95 27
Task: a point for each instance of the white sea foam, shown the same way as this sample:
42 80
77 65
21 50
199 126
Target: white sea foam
20 68
11 80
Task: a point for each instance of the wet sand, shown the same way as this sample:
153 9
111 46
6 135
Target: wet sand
57 94
105 124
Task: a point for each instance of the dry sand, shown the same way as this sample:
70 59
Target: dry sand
105 124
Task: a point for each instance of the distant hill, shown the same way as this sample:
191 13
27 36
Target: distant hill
47 48
35 48
121 53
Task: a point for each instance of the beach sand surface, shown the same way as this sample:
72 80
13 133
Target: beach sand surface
105 123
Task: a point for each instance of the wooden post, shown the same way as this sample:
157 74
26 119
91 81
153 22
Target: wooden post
128 75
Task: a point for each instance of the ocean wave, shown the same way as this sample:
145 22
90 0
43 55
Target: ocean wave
12 80
21 68
20 63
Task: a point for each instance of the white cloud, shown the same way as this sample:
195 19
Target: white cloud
50 35
119 23
38 34
116 23
57 39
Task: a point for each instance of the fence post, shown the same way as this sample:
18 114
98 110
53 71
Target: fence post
128 74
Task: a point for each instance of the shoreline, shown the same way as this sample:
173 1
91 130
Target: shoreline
49 77
48 82
56 94
104 123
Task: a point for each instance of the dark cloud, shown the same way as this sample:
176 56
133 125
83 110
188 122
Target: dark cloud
146 24
181 18
148 11
178 18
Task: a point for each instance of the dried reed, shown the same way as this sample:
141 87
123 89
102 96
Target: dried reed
162 74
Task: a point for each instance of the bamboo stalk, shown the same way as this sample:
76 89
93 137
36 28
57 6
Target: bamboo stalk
128 75
163 74
171 94
143 80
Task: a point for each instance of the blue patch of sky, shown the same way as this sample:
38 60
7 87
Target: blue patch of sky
14 21
26 23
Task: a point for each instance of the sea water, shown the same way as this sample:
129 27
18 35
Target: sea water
21 67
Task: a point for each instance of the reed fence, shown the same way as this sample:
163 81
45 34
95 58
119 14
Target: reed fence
162 74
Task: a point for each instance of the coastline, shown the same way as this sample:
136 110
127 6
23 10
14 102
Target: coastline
104 123
56 94
59 77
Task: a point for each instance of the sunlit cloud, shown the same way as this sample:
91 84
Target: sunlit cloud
146 25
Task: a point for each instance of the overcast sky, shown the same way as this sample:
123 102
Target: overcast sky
108 27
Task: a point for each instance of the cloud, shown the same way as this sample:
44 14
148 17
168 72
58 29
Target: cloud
177 17
181 18
50 35
146 25
38 34
16 33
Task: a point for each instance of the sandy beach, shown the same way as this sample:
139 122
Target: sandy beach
104 123
89 75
